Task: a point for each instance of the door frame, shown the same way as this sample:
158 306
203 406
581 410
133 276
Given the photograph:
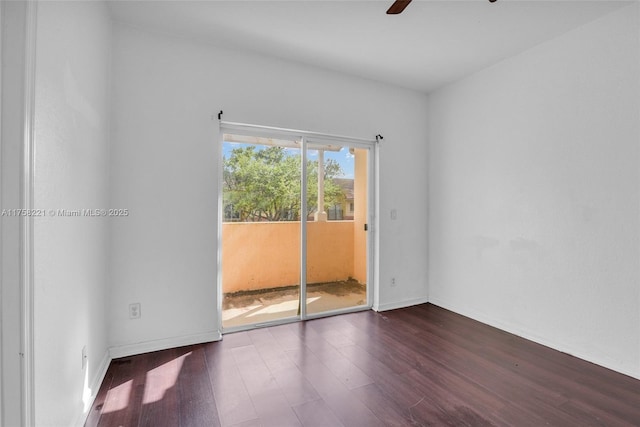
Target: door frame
306 138
17 89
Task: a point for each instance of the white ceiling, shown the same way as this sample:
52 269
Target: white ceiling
433 42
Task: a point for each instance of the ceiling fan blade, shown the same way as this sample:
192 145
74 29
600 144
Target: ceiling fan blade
398 6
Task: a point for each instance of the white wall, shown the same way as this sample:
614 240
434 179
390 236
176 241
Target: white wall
534 193
164 170
71 172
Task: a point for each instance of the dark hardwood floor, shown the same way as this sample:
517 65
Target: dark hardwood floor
419 366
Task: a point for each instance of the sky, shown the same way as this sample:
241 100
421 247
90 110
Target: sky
343 157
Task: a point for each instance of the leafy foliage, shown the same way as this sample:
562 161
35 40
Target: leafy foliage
264 185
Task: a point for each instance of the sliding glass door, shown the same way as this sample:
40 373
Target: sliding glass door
294 233
336 249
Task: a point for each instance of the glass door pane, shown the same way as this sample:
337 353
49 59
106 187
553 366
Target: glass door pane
260 230
336 228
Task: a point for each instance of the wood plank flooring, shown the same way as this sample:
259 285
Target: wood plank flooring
419 366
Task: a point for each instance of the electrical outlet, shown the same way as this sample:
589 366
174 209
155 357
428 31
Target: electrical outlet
84 357
134 310
393 282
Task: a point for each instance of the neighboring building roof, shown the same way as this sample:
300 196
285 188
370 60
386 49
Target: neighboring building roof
347 186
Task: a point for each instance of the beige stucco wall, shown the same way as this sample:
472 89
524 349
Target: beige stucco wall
259 255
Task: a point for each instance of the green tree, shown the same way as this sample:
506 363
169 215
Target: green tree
264 185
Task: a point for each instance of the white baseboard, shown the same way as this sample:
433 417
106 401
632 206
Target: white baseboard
96 382
487 320
94 386
400 304
163 344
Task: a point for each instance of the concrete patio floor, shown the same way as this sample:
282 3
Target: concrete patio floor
244 308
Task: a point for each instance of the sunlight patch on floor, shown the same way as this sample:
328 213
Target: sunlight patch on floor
246 309
281 307
117 398
161 379
235 312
